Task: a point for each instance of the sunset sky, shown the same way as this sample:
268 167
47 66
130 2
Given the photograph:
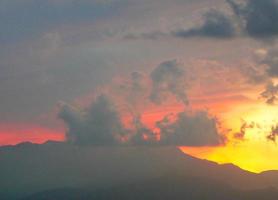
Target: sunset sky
201 75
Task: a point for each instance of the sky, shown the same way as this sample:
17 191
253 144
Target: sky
197 74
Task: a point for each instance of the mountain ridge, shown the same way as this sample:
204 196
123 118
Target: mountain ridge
30 168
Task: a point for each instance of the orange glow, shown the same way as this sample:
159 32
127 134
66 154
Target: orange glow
11 134
253 152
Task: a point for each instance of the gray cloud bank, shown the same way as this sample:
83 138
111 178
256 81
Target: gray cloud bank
259 18
198 129
101 123
254 18
216 24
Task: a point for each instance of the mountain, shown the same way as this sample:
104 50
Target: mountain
164 188
31 169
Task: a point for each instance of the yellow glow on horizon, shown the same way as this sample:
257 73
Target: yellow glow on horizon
251 157
255 153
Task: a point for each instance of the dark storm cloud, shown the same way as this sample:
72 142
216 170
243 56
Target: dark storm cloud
216 24
168 77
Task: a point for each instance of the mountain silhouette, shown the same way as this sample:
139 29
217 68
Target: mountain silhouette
31 170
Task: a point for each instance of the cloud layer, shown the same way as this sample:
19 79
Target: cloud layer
30 18
102 122
254 18
216 24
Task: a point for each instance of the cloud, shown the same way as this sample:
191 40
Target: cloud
100 124
245 125
151 35
216 24
274 133
136 88
254 74
271 60
198 129
168 77
256 18
259 18
143 135
21 19
270 93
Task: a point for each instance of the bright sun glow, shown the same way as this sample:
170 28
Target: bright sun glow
254 152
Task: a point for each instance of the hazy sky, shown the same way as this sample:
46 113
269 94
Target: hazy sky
180 72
